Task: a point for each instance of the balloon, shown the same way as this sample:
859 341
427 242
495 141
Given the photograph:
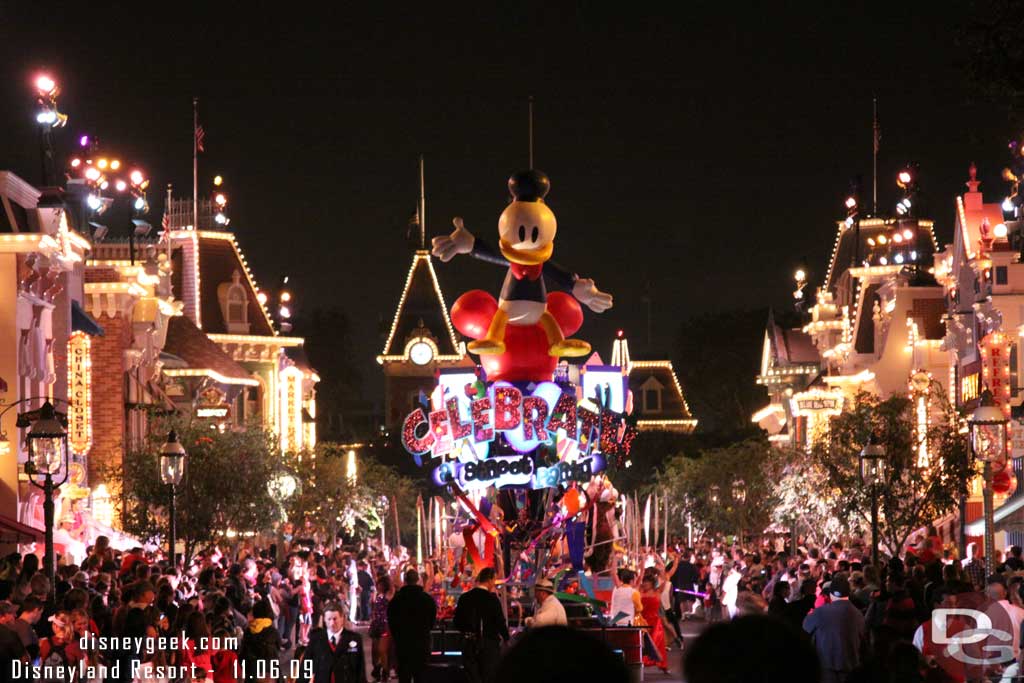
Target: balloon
1003 482
526 356
472 313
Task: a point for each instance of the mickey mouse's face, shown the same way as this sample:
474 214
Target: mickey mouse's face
527 231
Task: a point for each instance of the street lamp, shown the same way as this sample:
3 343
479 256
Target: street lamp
739 495
48 117
988 443
47 443
872 473
172 468
739 491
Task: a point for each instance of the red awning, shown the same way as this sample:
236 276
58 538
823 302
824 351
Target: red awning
13 531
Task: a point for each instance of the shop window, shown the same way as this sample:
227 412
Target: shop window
651 390
1002 276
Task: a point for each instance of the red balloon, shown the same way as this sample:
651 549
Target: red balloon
472 313
567 312
526 356
1003 482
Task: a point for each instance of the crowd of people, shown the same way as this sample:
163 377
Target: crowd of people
301 614
246 617
830 614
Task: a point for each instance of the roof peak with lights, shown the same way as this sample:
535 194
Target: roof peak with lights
659 403
421 315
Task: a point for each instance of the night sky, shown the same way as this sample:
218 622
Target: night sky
704 152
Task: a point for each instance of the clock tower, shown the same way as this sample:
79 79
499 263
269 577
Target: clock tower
421 342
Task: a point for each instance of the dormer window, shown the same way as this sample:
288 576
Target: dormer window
234 304
650 392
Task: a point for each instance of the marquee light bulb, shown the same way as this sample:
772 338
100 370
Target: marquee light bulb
1000 230
905 177
136 177
121 186
94 202
218 181
851 202
220 199
115 164
101 164
1008 205
286 296
882 239
92 174
75 163
908 234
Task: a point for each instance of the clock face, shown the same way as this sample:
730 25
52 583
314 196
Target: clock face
420 353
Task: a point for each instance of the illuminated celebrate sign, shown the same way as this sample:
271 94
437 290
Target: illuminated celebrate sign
467 416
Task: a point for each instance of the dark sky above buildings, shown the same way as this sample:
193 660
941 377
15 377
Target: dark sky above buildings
700 151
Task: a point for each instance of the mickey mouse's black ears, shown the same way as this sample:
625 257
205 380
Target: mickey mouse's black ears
529 186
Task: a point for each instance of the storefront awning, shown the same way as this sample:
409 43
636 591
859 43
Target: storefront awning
1008 515
83 322
13 531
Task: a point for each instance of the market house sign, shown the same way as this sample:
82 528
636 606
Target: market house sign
79 393
466 425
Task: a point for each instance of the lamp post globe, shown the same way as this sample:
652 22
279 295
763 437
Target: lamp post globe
988 438
47 444
872 473
172 470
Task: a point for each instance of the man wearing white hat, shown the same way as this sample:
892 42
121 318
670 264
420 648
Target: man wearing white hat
549 610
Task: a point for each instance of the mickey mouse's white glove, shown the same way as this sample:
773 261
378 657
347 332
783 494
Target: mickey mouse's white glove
461 241
594 299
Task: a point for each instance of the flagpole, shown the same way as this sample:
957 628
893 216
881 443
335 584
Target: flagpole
167 221
195 163
874 156
530 130
423 208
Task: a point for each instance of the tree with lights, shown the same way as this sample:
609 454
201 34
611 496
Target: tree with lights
339 492
225 493
729 490
919 485
818 516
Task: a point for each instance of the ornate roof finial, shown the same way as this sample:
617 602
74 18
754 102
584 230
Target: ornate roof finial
973 183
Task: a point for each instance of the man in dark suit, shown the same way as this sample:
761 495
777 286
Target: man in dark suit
839 633
336 652
480 618
411 615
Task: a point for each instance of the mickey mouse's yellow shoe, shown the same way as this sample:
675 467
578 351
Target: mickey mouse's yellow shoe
485 345
570 348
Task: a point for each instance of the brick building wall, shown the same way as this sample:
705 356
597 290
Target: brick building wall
108 394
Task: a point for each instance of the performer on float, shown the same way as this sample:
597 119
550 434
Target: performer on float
526 231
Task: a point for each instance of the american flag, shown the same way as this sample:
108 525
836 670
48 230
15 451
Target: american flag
166 222
200 134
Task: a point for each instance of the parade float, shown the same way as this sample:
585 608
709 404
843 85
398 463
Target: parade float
524 441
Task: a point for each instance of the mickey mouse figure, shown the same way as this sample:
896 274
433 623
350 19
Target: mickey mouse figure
526 231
